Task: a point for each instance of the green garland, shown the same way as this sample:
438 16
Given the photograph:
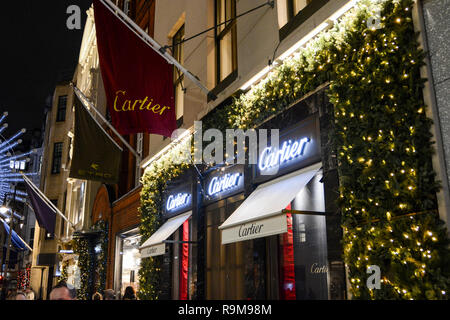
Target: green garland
102 261
64 266
85 265
154 181
383 142
387 183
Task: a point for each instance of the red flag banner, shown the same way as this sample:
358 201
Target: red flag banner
137 80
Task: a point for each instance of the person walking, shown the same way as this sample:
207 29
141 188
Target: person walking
109 294
63 291
21 296
129 294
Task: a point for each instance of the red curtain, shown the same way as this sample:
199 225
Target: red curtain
184 262
287 272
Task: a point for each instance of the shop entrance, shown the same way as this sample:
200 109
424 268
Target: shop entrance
288 213
297 260
128 260
233 271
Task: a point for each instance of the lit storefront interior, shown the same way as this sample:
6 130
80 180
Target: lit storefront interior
128 261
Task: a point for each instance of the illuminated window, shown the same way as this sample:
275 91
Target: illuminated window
225 38
287 9
178 54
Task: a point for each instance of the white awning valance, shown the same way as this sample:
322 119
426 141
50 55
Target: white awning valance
261 214
155 245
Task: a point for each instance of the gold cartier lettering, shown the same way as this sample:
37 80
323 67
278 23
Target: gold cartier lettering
115 100
137 105
142 104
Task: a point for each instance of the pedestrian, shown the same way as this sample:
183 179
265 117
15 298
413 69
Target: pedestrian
29 293
63 291
11 295
109 294
21 296
129 294
97 296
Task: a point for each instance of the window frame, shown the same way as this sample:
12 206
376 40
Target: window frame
230 27
178 77
57 170
304 14
61 112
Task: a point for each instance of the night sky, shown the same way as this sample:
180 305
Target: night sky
36 47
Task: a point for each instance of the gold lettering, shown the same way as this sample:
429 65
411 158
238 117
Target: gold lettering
138 104
134 104
155 108
115 100
142 104
124 108
163 108
149 104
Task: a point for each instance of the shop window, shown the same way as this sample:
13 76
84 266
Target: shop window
292 13
180 262
236 270
178 54
128 260
225 40
303 262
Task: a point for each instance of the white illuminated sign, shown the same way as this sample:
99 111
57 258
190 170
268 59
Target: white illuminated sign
177 201
17 164
221 184
272 157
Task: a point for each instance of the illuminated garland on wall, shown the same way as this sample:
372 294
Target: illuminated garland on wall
383 142
86 267
64 271
102 259
88 264
154 181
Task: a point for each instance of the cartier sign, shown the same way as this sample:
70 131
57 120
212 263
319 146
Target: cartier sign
298 147
255 229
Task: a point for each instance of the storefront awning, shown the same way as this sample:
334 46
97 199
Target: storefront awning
261 214
155 246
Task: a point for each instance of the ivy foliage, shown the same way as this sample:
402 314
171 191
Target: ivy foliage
154 181
90 263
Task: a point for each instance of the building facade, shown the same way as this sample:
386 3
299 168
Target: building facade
267 230
205 245
53 183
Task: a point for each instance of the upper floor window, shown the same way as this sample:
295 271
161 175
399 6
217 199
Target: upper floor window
292 13
225 39
178 54
57 155
62 106
126 7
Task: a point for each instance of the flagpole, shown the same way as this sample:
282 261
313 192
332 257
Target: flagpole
81 96
45 199
155 46
19 237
